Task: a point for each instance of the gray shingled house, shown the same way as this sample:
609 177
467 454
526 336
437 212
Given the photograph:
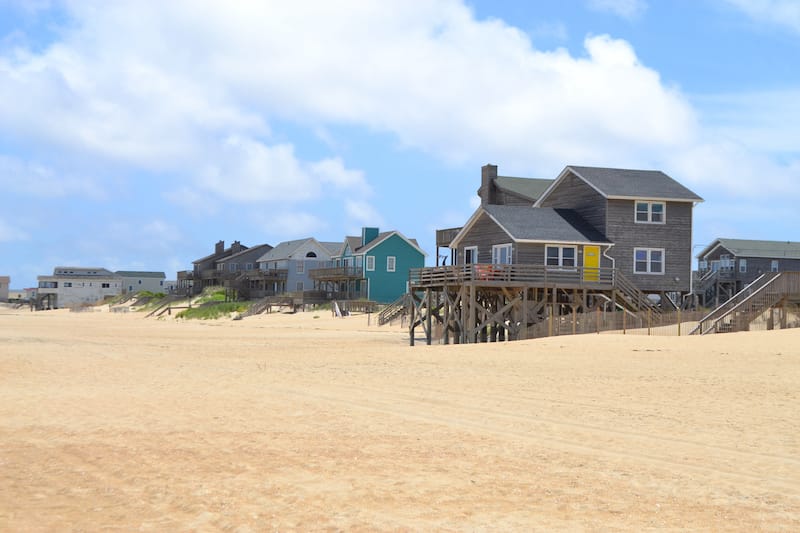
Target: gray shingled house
636 222
726 266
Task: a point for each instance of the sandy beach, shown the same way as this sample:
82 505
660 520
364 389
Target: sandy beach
305 422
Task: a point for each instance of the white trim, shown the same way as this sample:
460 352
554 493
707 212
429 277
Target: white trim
509 246
376 241
393 260
650 204
560 264
655 198
471 222
649 261
575 243
368 267
474 250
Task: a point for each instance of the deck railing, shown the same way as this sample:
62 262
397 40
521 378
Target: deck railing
513 274
340 272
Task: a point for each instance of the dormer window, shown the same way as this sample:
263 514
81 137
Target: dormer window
651 212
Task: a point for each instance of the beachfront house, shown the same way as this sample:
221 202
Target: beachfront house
206 271
379 263
285 268
726 266
76 286
137 281
637 222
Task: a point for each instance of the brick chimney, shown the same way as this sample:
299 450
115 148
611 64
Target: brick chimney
236 247
219 247
488 190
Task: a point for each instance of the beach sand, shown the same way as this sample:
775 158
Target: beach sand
305 422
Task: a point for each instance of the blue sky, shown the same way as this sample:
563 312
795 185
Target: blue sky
134 135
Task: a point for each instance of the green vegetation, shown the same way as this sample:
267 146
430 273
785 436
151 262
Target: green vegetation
212 294
211 311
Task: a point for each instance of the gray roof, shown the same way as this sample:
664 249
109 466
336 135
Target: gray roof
756 248
332 247
545 224
264 247
285 249
140 274
531 188
625 183
382 237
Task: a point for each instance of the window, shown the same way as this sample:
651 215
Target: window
470 255
501 254
161 282
232 267
742 265
774 265
301 267
300 286
648 260
390 263
220 267
560 256
67 284
140 282
370 263
248 266
311 254
702 265
359 261
105 285
651 212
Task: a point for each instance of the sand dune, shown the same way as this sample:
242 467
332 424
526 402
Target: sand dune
307 422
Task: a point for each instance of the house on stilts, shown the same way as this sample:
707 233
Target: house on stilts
545 252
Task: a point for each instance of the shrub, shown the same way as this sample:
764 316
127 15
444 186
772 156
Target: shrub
213 311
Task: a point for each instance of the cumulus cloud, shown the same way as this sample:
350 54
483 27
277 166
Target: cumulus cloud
30 178
628 9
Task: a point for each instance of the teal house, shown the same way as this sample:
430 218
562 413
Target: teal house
383 259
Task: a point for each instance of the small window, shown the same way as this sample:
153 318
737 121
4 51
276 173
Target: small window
140 282
105 285
67 284
301 267
774 265
470 255
311 254
300 286
390 263
742 265
370 263
161 282
359 261
651 212
648 260
560 256
248 266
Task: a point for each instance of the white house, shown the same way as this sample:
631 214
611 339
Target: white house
136 281
72 286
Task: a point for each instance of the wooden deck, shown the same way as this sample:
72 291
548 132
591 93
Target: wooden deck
514 276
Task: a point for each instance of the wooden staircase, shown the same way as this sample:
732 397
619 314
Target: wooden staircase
394 310
767 291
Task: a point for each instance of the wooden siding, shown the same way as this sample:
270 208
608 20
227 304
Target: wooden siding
755 265
675 237
573 193
483 234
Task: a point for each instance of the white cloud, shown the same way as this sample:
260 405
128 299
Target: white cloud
35 179
287 225
778 12
363 213
628 9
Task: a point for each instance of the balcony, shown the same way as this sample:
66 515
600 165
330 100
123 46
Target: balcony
341 273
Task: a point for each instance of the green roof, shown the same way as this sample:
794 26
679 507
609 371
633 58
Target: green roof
531 188
756 248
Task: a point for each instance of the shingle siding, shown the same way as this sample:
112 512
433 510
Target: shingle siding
675 237
483 234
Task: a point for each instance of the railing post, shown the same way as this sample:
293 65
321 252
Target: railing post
679 322
649 320
624 321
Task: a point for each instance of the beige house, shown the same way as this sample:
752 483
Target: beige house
75 286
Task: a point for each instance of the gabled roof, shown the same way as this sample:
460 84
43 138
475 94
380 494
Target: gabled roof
286 249
225 253
382 237
756 248
352 241
627 184
332 247
140 274
264 247
536 224
530 188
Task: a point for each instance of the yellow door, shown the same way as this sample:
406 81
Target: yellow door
591 263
